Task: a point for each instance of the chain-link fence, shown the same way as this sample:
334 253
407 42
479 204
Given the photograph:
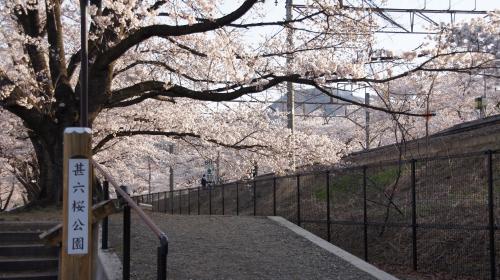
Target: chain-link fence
438 215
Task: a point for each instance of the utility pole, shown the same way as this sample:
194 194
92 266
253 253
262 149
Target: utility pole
290 94
367 121
84 76
149 175
289 85
217 168
171 168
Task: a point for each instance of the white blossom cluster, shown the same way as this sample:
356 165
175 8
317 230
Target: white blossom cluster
328 44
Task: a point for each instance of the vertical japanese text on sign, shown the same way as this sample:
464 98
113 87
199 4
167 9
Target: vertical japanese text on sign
78 203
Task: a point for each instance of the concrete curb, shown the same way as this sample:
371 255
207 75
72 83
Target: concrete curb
146 206
353 260
109 264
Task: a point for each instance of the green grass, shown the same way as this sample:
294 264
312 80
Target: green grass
384 177
350 183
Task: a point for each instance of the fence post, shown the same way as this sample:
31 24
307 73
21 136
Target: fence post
104 225
198 200
254 198
165 202
237 199
189 201
274 196
328 234
365 217
153 203
209 200
126 239
298 200
162 259
172 202
180 202
158 202
414 215
491 214
222 186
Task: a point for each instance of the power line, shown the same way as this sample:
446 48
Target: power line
423 13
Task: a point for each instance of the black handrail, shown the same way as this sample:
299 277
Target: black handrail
129 203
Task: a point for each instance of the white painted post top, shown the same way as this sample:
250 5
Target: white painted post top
77 130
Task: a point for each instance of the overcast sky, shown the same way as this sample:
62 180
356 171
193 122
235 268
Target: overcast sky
390 41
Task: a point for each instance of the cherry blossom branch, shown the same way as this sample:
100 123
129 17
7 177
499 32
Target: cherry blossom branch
187 48
29 20
57 62
156 88
150 89
73 63
32 116
259 24
385 110
163 65
164 31
178 135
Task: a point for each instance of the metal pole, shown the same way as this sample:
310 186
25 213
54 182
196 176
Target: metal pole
254 198
290 94
209 200
198 200
222 186
217 170
237 200
298 200
171 202
162 258
367 121
165 202
154 203
274 196
189 201
149 174
158 202
84 76
104 231
329 237
126 242
491 213
365 218
180 202
289 85
171 169
414 215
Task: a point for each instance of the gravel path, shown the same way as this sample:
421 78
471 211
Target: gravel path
228 247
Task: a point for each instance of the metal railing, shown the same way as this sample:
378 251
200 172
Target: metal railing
430 214
128 203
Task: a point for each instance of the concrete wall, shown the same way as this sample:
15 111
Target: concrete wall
479 135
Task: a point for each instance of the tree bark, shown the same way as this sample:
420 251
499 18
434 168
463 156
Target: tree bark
48 147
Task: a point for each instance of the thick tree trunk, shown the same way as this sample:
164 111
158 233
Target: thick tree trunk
47 136
48 146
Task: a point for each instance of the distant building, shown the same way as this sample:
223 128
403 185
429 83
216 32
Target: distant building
312 101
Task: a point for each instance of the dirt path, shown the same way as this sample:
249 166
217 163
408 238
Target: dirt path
225 247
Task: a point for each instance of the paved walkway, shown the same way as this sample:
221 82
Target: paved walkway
226 247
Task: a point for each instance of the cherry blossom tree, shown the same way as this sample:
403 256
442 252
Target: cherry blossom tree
160 51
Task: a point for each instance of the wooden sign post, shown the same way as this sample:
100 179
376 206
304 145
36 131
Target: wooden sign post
77 243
